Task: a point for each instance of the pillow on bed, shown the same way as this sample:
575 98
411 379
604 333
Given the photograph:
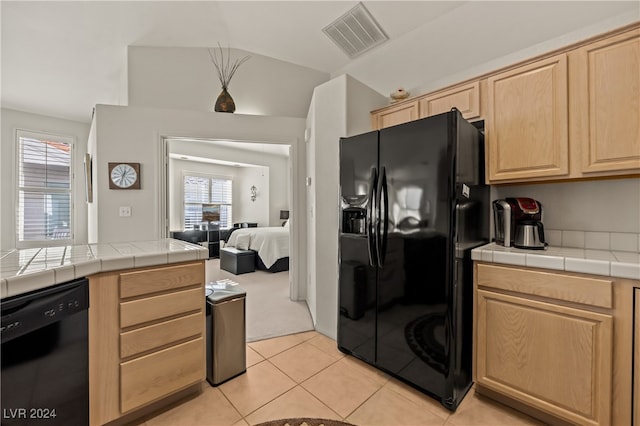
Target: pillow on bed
242 242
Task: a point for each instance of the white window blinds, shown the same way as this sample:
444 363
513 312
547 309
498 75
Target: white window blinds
199 190
44 210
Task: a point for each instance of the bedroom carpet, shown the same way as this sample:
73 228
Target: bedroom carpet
269 310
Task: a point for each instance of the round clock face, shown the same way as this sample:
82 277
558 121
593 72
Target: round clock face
123 175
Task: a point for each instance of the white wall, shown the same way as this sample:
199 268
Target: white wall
11 121
359 98
310 139
259 210
185 78
134 134
92 208
328 125
244 210
177 170
611 205
340 108
274 192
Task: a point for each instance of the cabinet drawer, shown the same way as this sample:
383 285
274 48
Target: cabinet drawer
154 376
158 335
155 308
138 283
588 291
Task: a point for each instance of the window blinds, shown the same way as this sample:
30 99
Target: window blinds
44 188
199 190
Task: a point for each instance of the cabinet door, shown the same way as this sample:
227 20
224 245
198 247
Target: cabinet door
392 116
151 377
527 131
605 103
466 98
551 357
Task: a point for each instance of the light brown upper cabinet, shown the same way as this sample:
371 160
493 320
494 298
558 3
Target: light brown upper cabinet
465 97
605 105
527 121
392 115
570 114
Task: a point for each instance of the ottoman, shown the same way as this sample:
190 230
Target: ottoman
237 261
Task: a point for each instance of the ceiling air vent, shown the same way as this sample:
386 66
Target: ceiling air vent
355 32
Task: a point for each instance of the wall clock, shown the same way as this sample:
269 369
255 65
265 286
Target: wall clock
124 175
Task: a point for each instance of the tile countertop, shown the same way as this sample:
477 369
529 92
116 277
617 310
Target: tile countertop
597 262
23 270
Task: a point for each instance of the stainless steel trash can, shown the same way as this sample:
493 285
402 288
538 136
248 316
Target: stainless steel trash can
226 332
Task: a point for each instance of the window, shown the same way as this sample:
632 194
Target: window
44 188
199 190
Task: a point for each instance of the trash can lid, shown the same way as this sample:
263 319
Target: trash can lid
220 291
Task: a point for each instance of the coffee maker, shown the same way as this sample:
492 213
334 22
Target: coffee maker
518 223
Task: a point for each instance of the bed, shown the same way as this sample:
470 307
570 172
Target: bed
270 243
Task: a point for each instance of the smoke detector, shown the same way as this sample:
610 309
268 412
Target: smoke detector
355 32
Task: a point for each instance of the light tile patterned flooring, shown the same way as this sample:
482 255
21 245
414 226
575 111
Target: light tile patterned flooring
304 375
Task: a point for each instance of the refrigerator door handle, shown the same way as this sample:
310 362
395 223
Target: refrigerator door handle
371 218
383 217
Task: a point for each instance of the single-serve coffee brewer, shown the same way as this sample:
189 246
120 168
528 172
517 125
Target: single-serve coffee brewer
518 223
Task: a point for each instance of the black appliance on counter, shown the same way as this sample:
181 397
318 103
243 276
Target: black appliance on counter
45 356
406 281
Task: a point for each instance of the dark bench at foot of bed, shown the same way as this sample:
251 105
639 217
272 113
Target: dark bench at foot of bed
281 264
237 261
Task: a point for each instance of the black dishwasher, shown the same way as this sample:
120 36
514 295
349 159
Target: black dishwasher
45 356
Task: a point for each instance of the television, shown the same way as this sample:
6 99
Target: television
211 212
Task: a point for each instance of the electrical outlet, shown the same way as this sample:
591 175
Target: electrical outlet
125 211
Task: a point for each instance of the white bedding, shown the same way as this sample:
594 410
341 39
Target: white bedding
271 243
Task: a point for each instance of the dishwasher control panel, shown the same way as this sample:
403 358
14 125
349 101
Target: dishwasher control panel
28 312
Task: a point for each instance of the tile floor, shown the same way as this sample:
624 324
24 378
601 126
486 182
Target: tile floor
304 375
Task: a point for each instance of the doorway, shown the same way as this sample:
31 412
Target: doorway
266 166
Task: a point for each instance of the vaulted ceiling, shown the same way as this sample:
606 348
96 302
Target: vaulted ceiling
61 58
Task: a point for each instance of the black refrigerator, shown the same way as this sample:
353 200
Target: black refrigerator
413 206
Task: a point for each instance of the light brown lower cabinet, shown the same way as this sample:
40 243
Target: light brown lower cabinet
146 337
555 358
555 343
147 378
